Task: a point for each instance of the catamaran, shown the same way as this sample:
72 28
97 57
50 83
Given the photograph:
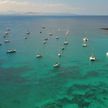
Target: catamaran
92 57
11 51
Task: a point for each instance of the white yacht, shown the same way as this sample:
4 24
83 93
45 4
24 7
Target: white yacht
46 39
50 34
11 51
57 37
28 33
44 42
66 43
106 53
43 27
59 55
85 39
7 41
92 58
84 44
25 37
56 65
38 56
6 33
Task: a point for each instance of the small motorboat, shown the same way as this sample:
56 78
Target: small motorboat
66 43
59 55
6 33
92 58
25 37
84 45
57 37
85 39
44 42
7 41
50 34
57 65
11 51
38 56
43 27
28 33
46 39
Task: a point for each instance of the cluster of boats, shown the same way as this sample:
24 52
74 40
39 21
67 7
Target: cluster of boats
85 40
6 40
27 34
57 64
39 54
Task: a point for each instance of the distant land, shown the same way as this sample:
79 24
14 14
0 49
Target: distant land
43 14
37 13
104 28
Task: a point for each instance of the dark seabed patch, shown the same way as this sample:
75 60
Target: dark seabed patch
96 74
75 73
91 74
13 75
92 94
68 72
53 85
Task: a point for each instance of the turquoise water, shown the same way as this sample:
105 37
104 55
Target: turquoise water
28 82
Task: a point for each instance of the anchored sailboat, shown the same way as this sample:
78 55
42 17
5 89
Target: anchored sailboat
92 58
38 56
66 41
56 65
85 39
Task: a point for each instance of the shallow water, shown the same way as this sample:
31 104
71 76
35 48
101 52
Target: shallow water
28 82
